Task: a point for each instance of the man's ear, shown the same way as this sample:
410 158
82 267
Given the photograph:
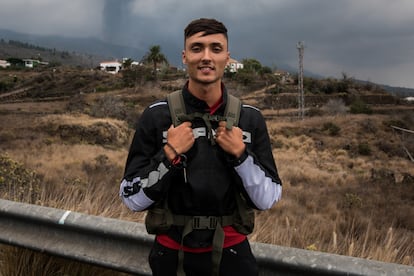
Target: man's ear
183 57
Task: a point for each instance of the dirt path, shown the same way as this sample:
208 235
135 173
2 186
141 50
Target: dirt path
14 94
34 107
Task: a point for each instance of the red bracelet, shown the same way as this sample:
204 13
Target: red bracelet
176 161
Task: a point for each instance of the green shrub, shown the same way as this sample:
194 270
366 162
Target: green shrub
331 128
364 149
18 183
359 107
352 200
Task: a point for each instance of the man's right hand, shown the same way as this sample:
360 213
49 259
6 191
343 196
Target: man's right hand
181 138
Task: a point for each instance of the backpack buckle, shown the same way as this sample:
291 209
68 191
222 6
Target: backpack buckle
204 222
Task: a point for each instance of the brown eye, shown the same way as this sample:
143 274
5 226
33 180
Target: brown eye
217 48
196 49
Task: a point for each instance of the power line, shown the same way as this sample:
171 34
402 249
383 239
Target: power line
301 99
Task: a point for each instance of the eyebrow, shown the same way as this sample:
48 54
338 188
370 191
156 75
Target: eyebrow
214 44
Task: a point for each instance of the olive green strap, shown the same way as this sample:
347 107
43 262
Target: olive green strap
218 241
176 106
232 111
188 228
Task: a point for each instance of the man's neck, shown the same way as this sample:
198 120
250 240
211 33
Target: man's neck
210 93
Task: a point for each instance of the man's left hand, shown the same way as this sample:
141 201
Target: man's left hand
231 141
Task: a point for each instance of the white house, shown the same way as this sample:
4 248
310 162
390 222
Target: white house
233 65
31 63
4 63
112 67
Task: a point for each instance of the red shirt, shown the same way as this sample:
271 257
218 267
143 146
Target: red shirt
231 237
216 106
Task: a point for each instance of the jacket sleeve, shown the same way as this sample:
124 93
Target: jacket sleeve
147 169
257 167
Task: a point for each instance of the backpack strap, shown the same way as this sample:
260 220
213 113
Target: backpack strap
232 111
177 107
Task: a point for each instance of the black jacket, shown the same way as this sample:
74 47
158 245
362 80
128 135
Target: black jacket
212 175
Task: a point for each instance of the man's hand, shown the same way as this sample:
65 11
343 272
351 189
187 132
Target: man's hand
181 138
231 141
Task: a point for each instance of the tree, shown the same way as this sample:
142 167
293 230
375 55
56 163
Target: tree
155 56
252 65
17 62
265 70
126 64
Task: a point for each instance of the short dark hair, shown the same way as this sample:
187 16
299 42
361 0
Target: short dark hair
207 25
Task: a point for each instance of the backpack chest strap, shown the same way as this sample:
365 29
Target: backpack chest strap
207 119
202 222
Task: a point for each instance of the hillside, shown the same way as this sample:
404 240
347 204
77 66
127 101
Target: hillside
17 49
78 46
86 52
348 182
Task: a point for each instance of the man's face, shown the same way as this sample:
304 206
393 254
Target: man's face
206 57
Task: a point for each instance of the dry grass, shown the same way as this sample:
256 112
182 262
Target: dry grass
335 199
44 265
332 200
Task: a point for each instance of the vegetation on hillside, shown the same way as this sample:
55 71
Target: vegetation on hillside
15 50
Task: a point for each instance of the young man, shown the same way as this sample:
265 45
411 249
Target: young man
200 180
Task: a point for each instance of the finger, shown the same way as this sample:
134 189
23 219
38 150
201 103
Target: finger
186 124
222 123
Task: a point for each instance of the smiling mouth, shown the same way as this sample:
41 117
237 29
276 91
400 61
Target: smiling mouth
206 69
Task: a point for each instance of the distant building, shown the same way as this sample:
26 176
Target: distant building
233 65
112 67
410 99
31 63
4 63
136 63
284 76
281 73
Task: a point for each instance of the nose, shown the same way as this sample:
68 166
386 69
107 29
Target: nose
206 55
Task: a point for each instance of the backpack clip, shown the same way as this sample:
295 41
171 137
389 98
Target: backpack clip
204 222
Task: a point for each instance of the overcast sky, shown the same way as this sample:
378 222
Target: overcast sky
370 40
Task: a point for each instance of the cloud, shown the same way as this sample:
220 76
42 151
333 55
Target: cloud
68 18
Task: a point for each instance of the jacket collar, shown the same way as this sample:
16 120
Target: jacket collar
194 104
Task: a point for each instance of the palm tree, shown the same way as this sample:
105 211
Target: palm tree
155 56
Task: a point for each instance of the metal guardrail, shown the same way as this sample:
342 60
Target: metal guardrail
111 243
124 245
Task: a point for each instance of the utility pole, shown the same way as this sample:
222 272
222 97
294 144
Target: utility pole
301 99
